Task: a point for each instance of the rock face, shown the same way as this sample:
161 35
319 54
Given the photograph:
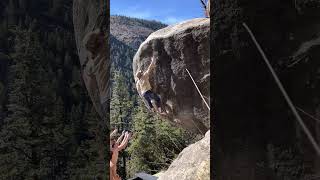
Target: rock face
90 19
193 163
177 48
256 135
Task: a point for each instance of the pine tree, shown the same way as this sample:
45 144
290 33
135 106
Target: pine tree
120 112
57 133
22 134
155 144
39 139
85 162
121 103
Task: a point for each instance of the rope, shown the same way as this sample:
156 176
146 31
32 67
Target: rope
300 121
312 117
198 90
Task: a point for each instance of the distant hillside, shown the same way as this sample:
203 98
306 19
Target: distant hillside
132 31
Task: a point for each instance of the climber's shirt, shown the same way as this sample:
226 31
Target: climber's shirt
144 84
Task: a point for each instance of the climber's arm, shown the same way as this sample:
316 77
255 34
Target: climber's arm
114 159
151 66
111 170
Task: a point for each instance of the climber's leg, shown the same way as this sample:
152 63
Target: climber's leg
158 103
157 100
147 96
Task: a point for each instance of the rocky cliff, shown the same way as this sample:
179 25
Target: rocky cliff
177 48
193 163
132 31
90 19
256 135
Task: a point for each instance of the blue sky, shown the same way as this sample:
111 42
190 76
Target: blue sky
166 11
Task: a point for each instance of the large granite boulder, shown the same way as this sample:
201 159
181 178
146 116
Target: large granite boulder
177 48
193 163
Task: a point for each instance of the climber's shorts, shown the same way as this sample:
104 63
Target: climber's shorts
148 96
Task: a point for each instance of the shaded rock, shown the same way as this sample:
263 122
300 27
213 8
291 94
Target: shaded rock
256 136
177 47
91 25
193 163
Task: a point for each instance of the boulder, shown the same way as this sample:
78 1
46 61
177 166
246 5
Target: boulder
177 48
90 19
193 163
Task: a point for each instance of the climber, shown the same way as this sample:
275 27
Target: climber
144 88
114 153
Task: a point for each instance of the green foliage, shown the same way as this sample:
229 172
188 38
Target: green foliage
29 106
122 56
85 160
121 103
51 130
120 111
156 143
